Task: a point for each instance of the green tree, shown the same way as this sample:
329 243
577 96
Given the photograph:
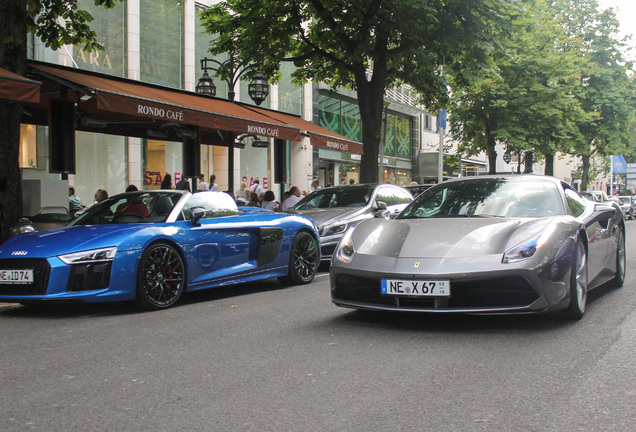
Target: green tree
56 23
605 90
526 102
365 45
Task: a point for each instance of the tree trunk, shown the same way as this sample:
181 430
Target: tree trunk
371 105
492 154
13 56
585 172
549 164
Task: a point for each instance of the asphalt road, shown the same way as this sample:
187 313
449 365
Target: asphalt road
263 358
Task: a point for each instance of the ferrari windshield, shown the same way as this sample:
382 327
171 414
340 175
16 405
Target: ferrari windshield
345 196
488 197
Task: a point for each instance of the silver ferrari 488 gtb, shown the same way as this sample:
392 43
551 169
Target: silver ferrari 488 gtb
491 244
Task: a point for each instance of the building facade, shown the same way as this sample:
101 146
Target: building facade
161 42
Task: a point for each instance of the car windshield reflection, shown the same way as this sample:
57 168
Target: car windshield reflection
346 196
487 197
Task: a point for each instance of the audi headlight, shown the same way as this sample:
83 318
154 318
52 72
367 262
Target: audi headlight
345 250
334 229
89 256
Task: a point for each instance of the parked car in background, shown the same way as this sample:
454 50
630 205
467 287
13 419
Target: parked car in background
336 209
625 203
598 196
152 246
488 244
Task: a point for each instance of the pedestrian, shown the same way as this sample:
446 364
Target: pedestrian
166 183
253 202
202 185
286 195
242 195
100 195
74 202
352 182
256 187
294 197
212 185
269 201
343 181
315 185
183 184
131 188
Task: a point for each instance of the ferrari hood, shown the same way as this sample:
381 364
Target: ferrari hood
67 239
327 216
443 237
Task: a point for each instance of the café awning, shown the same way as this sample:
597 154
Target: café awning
122 106
132 107
18 88
319 136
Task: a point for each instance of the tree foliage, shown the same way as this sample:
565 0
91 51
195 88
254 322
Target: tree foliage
366 45
560 85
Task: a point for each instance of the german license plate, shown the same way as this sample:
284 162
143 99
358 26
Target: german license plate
418 288
16 276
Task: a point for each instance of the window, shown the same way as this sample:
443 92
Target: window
576 202
161 40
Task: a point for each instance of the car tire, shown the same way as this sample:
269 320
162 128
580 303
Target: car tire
621 260
303 260
160 277
578 283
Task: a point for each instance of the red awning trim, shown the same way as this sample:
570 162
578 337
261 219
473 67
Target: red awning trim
18 88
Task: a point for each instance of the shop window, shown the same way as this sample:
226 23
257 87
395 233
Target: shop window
161 158
28 147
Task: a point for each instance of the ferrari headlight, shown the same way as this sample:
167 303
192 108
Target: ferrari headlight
330 230
528 248
89 256
345 250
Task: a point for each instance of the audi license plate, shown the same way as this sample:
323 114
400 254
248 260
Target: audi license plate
418 288
16 276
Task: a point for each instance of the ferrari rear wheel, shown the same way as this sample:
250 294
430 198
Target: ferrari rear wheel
578 284
621 260
303 259
160 277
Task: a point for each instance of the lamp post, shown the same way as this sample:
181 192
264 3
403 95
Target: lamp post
231 72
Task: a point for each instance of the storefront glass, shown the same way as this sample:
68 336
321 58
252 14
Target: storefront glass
340 116
161 158
161 39
100 164
110 27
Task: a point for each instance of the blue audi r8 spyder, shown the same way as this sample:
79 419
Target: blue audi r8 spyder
152 246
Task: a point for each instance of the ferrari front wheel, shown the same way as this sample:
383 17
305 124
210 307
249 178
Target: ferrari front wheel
578 283
160 277
303 259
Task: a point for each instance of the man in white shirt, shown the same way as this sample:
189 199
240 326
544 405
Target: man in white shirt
293 199
256 187
201 185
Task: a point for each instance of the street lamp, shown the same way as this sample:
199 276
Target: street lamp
231 72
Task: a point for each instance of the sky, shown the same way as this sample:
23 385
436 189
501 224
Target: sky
626 14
